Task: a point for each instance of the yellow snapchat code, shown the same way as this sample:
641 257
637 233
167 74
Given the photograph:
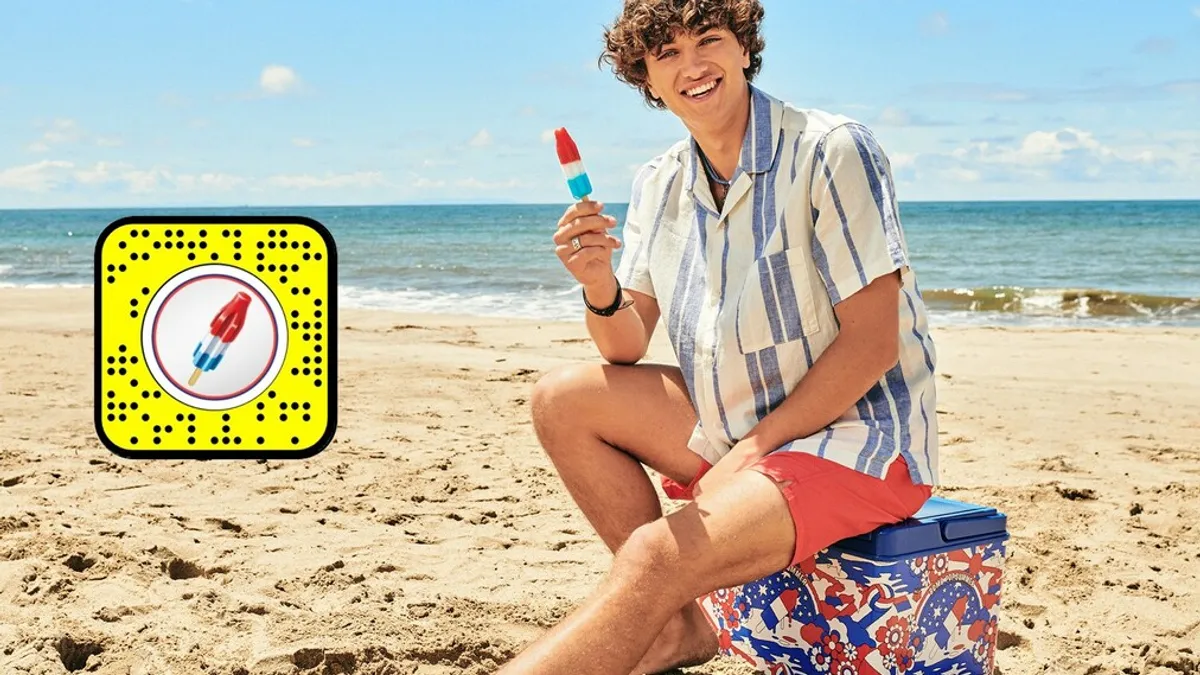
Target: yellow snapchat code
215 338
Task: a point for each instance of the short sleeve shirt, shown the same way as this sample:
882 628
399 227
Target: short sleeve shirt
747 293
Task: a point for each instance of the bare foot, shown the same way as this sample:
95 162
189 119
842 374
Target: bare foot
687 640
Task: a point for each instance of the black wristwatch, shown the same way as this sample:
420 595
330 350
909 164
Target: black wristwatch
605 311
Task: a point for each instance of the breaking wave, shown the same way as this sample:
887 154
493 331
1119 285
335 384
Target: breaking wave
1062 303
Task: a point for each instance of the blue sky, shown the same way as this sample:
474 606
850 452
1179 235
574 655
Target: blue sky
222 102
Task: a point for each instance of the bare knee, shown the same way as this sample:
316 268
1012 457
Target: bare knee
650 558
558 396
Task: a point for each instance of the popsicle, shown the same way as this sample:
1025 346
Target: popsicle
223 329
572 165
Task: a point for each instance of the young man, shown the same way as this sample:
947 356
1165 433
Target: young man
803 410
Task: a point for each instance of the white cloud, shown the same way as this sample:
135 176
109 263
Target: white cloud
1196 11
1066 155
527 111
220 182
360 179
41 176
476 184
277 80
893 117
1041 147
548 136
936 24
426 183
147 181
481 139
959 174
303 142
49 175
57 132
62 131
102 172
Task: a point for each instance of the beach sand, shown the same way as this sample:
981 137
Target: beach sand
433 537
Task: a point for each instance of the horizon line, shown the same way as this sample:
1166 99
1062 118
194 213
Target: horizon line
4 209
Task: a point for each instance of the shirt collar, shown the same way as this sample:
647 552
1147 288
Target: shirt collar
760 145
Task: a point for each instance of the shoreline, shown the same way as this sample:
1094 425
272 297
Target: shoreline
433 536
939 319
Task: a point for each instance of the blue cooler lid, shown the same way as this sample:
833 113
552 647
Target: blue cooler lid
941 525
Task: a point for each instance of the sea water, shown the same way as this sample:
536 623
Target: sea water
1058 263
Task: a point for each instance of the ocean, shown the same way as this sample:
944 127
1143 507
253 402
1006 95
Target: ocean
1034 263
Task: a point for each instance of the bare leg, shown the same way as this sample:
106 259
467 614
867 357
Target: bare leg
599 424
737 533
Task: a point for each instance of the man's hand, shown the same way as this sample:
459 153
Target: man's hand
747 451
591 263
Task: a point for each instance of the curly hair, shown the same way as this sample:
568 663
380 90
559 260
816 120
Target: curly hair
645 25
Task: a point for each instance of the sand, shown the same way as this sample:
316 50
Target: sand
433 537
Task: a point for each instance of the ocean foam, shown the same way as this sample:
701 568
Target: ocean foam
42 286
540 305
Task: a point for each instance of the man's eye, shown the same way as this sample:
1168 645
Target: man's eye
665 53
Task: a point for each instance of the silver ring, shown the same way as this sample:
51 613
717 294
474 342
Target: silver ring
575 243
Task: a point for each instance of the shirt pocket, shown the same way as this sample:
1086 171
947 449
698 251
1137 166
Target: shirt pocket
776 304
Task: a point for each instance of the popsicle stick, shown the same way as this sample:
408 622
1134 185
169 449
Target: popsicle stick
195 376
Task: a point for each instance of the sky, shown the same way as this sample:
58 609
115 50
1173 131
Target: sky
123 103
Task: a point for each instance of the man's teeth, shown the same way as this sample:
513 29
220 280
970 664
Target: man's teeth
702 89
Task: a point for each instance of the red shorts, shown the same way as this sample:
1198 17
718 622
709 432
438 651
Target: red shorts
829 502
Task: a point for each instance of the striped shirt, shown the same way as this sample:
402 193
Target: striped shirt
747 293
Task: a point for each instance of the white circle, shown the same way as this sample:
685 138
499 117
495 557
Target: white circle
172 330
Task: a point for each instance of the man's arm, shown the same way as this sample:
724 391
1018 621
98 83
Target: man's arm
866 347
624 337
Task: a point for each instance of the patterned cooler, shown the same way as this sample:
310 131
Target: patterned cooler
920 596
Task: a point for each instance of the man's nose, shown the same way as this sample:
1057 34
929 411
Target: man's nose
694 65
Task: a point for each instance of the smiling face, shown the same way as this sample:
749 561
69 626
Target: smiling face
700 77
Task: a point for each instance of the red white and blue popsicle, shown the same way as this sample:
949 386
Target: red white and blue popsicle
572 165
223 329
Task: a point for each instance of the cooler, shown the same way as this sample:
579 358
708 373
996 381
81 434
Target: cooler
920 596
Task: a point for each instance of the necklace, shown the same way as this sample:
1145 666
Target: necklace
720 185
712 173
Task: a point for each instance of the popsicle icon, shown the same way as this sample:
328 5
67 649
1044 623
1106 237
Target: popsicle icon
223 329
572 165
